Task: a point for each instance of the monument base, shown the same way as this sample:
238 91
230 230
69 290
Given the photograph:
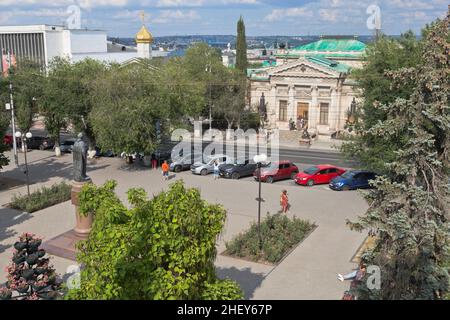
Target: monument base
64 245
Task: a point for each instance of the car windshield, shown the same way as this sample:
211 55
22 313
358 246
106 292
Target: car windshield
271 165
348 175
68 143
311 170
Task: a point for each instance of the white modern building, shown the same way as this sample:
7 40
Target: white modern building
42 43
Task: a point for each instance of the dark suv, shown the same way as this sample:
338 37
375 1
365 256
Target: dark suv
237 170
41 143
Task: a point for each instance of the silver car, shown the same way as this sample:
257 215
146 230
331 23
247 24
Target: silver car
184 163
208 167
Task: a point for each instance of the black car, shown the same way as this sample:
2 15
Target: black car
41 143
236 171
67 146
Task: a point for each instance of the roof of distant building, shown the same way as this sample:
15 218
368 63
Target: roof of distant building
333 45
333 65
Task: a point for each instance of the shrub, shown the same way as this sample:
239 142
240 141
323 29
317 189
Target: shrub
279 235
30 276
42 198
160 249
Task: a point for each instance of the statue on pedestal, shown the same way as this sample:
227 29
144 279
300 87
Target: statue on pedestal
80 150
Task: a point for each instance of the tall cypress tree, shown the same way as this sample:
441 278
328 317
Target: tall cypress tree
241 47
409 209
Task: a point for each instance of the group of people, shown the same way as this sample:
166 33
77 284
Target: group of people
300 125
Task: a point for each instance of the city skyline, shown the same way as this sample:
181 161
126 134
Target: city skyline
120 18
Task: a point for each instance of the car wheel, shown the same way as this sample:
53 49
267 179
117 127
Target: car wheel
177 169
310 183
345 188
293 175
204 172
269 180
235 176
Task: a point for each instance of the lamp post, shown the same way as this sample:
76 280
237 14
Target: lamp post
24 142
259 159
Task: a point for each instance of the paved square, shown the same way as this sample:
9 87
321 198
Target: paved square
309 272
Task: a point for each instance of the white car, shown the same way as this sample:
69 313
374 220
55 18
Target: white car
208 167
184 163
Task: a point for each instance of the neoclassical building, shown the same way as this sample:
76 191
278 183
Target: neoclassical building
310 82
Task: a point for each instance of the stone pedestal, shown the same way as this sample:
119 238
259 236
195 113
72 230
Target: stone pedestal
84 224
64 245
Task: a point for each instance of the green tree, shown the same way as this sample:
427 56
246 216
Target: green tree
409 209
241 47
383 56
27 86
56 98
159 249
80 85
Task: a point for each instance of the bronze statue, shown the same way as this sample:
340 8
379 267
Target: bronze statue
79 151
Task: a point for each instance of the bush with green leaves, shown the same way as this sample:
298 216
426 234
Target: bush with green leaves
42 198
159 249
279 235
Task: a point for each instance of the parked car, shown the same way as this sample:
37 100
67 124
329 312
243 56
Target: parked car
39 142
207 167
8 140
351 180
237 170
100 153
318 175
184 163
67 146
277 171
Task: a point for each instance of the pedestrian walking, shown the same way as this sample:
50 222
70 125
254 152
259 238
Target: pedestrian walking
165 170
216 170
154 162
284 202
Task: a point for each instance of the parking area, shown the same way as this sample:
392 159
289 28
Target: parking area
308 273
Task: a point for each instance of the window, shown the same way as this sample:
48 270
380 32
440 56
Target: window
324 113
332 171
283 111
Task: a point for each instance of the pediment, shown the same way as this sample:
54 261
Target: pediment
303 68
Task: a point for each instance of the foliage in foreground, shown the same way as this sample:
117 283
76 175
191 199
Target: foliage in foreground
42 198
279 235
30 276
409 208
160 249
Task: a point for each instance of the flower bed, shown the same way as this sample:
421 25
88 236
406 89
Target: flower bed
279 234
42 198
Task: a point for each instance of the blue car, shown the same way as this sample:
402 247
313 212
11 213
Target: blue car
352 180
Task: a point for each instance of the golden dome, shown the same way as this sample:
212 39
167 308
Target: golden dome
144 36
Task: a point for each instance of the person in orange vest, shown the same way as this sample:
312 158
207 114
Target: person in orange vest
165 170
284 202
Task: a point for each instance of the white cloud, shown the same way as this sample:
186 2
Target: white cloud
179 3
171 16
280 14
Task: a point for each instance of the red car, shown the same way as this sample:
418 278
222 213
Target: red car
320 174
8 140
277 171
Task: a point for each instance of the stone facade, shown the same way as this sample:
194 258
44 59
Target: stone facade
318 92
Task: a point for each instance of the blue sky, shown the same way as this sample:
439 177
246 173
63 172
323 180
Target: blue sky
262 17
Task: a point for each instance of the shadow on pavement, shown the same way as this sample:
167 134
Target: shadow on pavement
45 169
8 219
248 280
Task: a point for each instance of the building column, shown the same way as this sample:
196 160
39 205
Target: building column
291 103
334 114
313 109
341 112
272 108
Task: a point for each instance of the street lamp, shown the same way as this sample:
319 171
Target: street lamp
259 159
24 142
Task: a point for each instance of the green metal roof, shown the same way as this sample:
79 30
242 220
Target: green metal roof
333 65
333 45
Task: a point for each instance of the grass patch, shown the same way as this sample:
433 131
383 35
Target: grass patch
42 198
279 233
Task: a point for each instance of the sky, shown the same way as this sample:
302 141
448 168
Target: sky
121 18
